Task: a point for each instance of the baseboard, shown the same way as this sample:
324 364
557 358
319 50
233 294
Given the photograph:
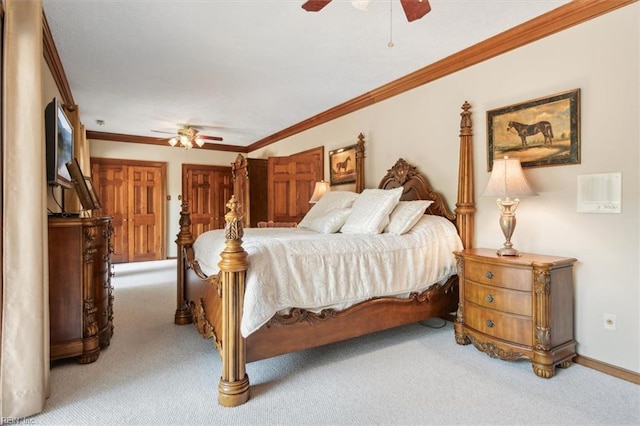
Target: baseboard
609 369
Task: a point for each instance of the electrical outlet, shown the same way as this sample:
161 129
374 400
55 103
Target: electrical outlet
610 322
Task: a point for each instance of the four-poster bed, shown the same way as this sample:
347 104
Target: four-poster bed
215 301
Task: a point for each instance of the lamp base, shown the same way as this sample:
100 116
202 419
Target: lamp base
507 251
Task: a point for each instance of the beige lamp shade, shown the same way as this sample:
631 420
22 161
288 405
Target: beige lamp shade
319 190
507 180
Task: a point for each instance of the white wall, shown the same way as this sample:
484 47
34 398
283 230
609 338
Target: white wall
601 57
174 157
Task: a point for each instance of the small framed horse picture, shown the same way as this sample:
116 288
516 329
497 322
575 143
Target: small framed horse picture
539 132
342 165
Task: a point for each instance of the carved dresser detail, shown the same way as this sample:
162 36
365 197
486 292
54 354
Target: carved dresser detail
80 291
517 307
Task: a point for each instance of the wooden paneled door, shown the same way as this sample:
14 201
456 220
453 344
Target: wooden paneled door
132 193
291 183
206 190
145 202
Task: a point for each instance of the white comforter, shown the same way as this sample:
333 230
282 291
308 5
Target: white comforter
292 267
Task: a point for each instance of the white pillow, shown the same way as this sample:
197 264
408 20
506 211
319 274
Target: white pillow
332 200
331 222
405 215
370 212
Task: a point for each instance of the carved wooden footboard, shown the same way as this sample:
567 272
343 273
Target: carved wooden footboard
216 306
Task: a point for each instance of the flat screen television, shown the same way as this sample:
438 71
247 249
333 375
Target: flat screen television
59 144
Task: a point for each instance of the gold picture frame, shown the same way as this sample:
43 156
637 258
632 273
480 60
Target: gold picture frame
539 132
342 165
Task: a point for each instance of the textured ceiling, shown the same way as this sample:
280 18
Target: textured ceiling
244 70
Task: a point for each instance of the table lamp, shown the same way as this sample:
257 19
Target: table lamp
319 190
507 182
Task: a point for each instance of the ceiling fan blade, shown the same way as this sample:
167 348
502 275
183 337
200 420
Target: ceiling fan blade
211 138
315 5
415 9
162 131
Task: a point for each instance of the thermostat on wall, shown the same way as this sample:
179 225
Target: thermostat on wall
600 193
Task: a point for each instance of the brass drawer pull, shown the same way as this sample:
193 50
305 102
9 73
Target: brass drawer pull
489 323
489 274
489 298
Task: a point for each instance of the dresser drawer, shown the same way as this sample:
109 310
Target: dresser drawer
511 301
497 275
513 328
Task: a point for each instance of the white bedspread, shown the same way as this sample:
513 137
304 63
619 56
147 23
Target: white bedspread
292 267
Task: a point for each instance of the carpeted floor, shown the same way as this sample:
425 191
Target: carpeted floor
157 373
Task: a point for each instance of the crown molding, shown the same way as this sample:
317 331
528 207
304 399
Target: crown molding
552 22
564 17
55 65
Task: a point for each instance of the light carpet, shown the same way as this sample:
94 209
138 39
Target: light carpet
157 373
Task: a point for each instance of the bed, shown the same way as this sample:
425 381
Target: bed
237 292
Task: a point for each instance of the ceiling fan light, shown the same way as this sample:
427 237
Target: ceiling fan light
173 141
199 141
360 4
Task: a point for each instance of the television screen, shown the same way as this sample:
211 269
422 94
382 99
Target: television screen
59 140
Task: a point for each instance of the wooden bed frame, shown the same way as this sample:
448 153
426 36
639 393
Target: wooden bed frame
215 303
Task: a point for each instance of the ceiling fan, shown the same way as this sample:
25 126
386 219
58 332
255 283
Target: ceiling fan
188 136
413 9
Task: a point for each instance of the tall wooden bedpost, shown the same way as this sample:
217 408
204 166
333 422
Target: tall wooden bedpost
360 164
184 237
465 207
233 388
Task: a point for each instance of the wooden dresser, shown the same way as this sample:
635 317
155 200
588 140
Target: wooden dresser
80 291
517 307
250 188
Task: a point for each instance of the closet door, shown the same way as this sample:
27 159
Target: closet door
206 190
132 193
110 181
144 207
291 183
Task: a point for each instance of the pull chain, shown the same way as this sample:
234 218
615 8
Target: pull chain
390 44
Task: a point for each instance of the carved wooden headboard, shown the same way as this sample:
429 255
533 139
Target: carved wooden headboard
416 187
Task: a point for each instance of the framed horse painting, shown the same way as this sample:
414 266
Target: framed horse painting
342 165
539 132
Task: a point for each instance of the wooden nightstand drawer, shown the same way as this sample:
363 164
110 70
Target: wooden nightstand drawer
517 307
497 275
511 301
516 329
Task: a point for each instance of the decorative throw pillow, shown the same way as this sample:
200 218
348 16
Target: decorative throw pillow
330 201
331 222
405 215
370 211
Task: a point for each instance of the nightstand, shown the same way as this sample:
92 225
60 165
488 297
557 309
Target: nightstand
517 307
